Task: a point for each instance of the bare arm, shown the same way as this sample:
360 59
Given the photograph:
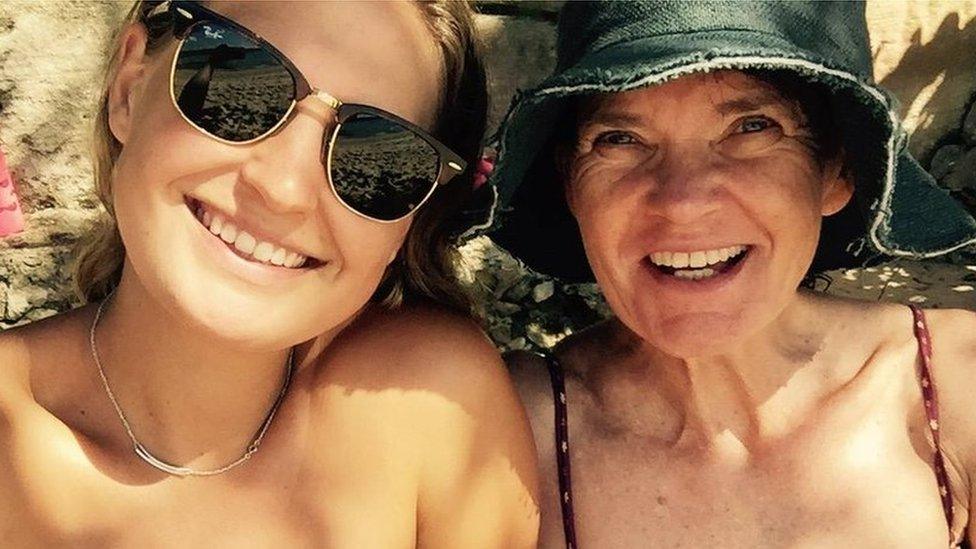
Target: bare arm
15 398
477 478
479 484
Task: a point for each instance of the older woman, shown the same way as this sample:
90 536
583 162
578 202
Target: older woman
708 158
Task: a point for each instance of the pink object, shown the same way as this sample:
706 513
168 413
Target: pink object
11 216
485 166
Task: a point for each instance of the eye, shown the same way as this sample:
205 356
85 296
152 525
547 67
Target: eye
615 138
754 124
751 135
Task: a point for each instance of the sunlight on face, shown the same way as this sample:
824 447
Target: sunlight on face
699 202
275 189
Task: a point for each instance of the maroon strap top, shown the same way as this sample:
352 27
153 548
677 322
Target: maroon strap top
928 397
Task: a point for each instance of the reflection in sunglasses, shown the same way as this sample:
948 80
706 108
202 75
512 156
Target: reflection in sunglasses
229 85
237 88
382 169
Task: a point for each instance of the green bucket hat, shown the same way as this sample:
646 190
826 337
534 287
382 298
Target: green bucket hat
607 47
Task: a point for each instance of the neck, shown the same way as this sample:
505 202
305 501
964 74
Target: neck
732 399
189 397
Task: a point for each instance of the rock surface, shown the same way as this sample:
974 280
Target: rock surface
962 175
944 159
969 126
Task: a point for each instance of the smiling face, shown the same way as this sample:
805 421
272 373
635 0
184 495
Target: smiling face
217 232
699 202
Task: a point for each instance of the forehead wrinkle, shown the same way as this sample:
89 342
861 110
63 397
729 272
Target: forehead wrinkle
725 94
613 118
763 98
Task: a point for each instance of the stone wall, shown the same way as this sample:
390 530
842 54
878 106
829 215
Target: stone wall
50 59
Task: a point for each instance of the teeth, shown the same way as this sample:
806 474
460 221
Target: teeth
279 257
697 259
246 244
263 251
695 274
228 233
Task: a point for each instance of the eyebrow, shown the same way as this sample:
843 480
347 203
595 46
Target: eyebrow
757 102
749 103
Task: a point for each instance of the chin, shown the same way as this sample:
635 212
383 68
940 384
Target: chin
696 334
236 315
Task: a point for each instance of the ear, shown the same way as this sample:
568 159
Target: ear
837 189
123 87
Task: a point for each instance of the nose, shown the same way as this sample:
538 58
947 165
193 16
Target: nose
685 183
285 170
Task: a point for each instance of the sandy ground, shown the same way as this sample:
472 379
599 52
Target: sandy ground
930 284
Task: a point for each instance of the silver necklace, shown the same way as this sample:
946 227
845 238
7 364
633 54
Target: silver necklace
177 470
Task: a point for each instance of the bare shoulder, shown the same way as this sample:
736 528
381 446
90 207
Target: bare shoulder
422 348
14 367
439 384
598 345
26 354
530 373
954 328
28 429
35 359
432 372
953 370
574 356
16 407
953 340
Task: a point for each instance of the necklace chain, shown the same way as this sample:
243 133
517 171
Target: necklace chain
178 470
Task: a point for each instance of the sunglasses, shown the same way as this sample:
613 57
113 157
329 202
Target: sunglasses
235 87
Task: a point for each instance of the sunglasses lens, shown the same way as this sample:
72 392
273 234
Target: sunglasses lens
229 85
381 168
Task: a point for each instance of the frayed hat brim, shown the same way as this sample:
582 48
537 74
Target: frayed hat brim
898 209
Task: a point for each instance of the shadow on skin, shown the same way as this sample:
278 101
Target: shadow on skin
388 373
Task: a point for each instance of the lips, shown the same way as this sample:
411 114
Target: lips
698 264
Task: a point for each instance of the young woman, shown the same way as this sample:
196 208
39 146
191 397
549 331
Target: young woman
707 158
275 353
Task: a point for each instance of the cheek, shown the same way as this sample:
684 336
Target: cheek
606 214
782 198
161 146
781 192
365 247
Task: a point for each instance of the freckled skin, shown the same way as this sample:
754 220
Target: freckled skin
751 414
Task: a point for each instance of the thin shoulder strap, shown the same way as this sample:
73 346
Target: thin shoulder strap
932 411
562 450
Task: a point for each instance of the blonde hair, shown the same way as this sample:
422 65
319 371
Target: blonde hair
425 265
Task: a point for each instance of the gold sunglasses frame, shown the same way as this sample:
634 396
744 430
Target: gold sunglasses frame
193 14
